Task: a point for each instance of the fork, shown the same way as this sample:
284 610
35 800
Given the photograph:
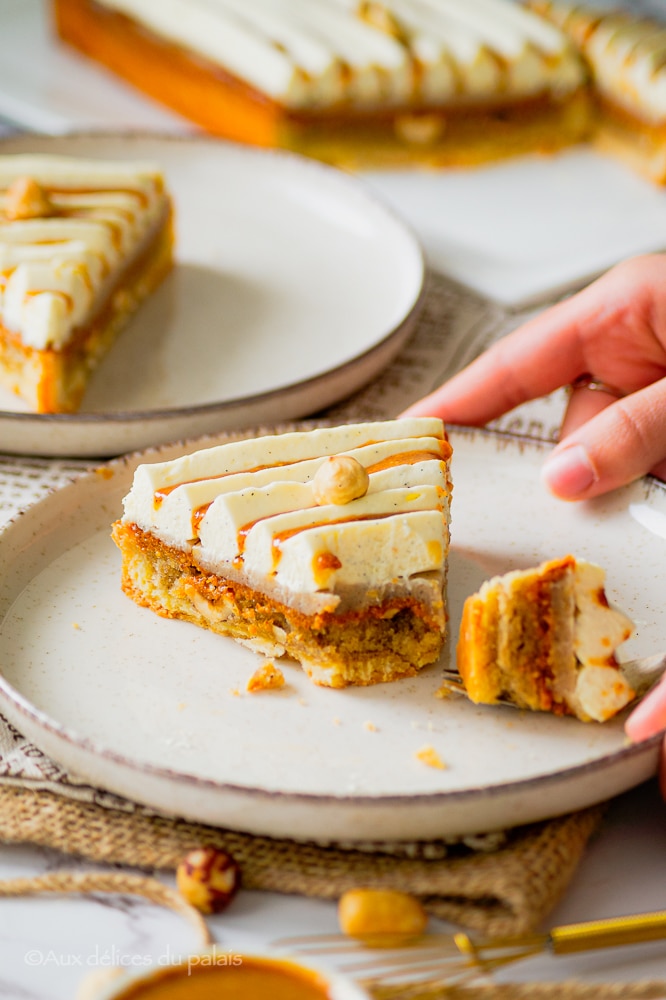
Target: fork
640 674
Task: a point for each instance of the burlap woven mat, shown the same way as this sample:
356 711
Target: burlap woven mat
502 892
498 893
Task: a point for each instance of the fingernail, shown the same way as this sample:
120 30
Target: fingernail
569 473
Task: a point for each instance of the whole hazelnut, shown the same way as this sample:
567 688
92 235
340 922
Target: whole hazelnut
339 480
208 879
381 917
27 199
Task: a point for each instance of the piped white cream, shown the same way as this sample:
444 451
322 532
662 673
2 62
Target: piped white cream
626 54
599 629
310 53
252 505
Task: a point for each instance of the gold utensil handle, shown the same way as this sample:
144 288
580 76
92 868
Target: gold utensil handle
608 933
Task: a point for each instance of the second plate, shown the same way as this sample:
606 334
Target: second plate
293 287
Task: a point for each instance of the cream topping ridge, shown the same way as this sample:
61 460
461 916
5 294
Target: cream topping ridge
627 54
319 53
253 504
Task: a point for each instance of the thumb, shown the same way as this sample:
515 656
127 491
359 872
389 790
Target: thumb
647 720
626 440
649 716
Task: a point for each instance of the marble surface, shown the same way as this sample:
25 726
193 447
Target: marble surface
48 945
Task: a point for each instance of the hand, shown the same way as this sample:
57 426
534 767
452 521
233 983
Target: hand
615 331
648 719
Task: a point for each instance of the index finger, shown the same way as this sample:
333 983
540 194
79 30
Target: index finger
543 354
540 356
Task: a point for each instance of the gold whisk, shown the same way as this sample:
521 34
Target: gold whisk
390 966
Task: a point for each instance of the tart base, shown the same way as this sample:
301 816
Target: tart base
379 642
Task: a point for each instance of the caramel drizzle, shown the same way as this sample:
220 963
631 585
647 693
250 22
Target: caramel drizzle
282 536
400 458
83 212
115 229
140 195
68 300
162 492
409 458
403 458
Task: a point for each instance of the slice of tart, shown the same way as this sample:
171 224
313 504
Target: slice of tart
545 639
82 244
626 55
328 545
354 82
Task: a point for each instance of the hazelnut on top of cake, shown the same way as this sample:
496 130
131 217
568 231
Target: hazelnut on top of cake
329 545
545 639
82 243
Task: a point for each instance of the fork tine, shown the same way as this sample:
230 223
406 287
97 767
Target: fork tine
337 944
315 939
402 966
642 673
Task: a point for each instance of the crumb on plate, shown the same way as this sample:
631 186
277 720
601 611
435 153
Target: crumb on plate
267 677
429 756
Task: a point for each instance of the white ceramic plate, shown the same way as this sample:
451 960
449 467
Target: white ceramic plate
293 288
157 710
517 232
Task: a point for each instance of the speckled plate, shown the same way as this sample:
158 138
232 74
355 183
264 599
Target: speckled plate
293 287
157 710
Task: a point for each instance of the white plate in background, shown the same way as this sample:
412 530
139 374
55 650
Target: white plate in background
156 710
293 287
529 228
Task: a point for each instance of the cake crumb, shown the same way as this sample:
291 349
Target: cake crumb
235 692
267 677
370 726
76 626
429 756
337 721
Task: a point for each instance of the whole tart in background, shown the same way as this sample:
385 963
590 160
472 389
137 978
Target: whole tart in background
360 83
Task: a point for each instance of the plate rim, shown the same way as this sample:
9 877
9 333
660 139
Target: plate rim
39 718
